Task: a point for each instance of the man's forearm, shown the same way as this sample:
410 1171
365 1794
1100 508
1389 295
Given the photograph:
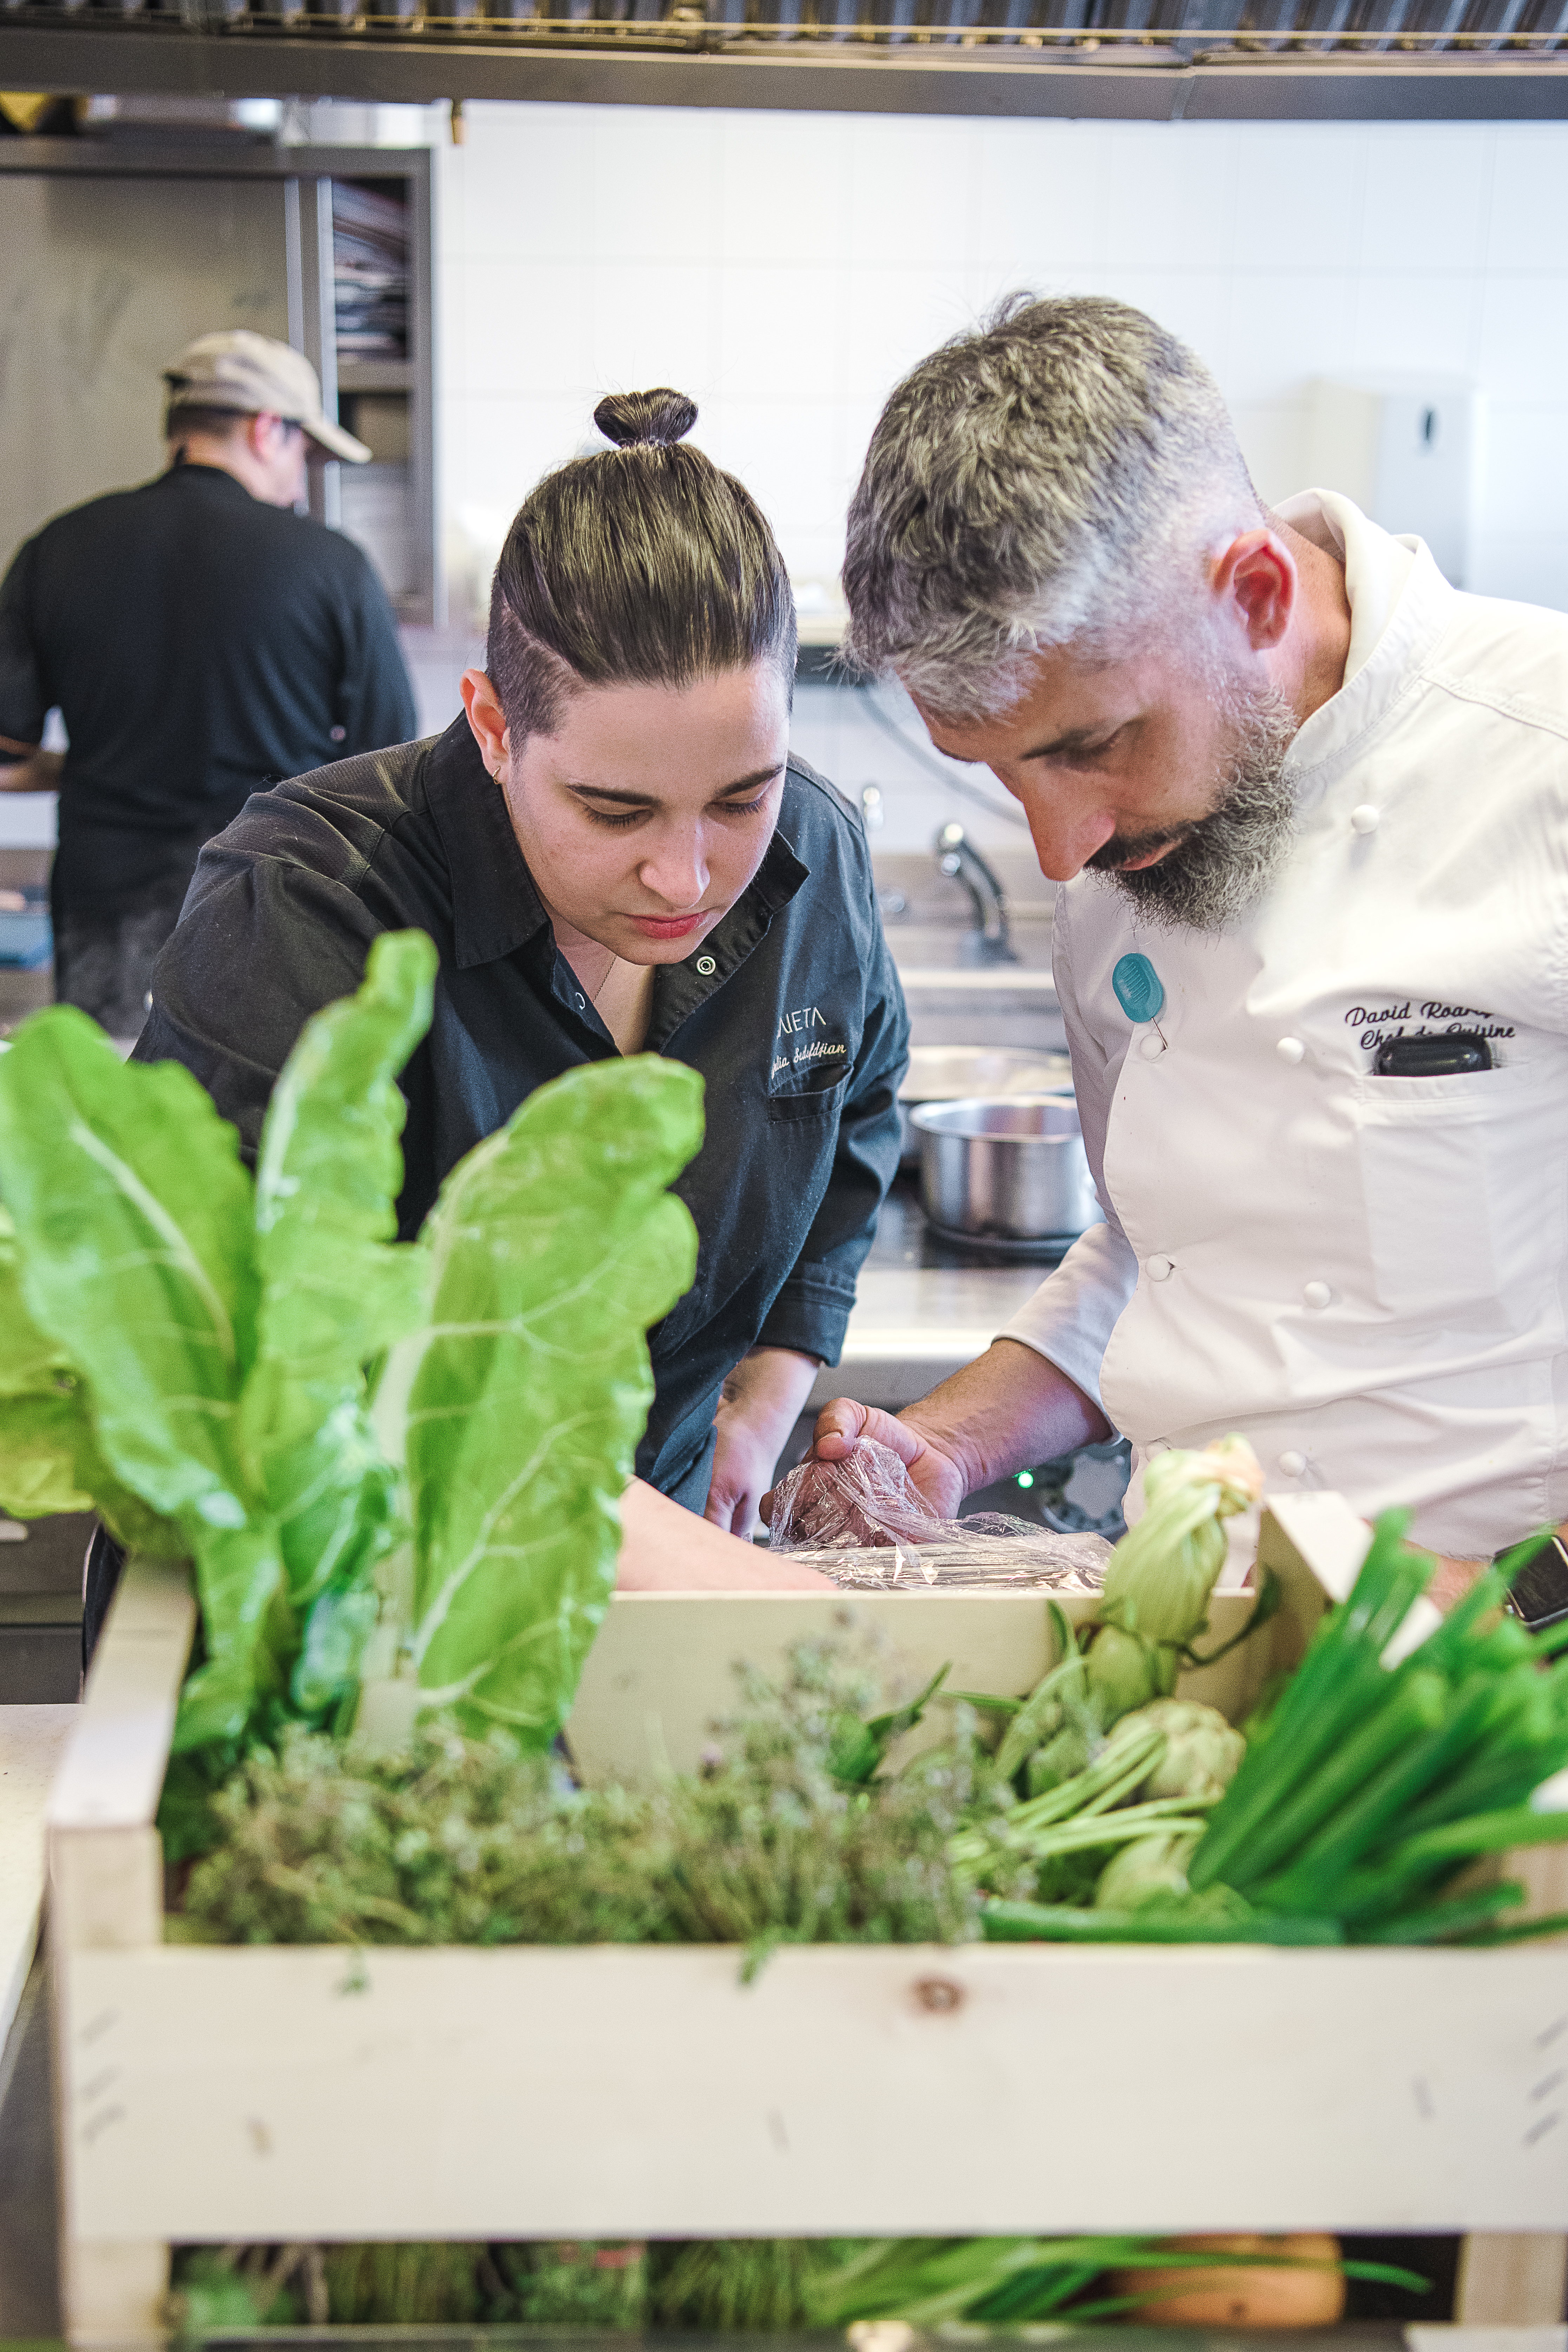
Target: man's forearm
1008 1410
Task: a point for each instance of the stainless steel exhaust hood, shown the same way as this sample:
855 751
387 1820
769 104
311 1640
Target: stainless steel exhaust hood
1148 60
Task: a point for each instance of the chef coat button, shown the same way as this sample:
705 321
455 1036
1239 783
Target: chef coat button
1292 1464
1159 1267
707 967
582 1003
1290 1049
1317 1294
1365 818
1152 1048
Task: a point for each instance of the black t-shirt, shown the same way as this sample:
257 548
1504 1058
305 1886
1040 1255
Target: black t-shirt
200 645
790 1009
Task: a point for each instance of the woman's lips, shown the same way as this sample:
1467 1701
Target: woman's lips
668 927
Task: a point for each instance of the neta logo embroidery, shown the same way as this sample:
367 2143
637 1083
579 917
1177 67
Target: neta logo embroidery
799 1058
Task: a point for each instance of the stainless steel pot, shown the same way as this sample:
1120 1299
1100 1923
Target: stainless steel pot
939 1074
1010 1170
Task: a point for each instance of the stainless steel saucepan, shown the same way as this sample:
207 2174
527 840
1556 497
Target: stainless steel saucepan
1011 1170
941 1073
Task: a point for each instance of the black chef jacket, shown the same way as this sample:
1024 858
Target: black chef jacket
798 1030
200 644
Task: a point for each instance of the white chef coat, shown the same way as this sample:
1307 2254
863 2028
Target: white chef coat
1367 1276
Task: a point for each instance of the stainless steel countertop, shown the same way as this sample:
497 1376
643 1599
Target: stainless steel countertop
923 1309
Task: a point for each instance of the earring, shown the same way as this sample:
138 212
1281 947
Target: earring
496 773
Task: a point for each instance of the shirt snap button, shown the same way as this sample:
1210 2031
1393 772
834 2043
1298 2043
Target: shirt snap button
1290 1049
1365 818
1292 1464
1159 1267
707 967
582 1003
1317 1294
339 734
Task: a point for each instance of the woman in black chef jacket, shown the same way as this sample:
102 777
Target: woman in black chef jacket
615 852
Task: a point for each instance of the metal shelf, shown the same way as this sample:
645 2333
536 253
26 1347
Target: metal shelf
1155 60
375 375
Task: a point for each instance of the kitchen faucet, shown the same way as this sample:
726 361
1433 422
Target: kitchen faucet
989 942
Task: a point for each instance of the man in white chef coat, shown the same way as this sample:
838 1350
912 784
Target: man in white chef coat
1307 806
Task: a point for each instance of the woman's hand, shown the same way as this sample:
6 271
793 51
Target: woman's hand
667 1549
761 1404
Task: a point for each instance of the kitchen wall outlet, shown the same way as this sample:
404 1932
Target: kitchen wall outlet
1407 449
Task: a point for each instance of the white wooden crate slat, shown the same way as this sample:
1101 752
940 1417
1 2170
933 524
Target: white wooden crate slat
611 2092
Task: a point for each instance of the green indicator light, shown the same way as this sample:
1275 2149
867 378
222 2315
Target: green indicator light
1026 1477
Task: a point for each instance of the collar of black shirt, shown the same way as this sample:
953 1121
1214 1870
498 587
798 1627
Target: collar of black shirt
496 908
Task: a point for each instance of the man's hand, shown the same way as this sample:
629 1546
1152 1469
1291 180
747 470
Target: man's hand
1008 1410
1453 1580
933 1472
761 1404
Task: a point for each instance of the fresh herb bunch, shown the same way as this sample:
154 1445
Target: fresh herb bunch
459 1842
237 2289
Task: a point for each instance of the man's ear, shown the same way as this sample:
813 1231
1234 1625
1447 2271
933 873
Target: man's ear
1257 577
487 720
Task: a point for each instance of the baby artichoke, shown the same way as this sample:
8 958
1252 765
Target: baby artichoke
1156 1865
1159 1577
1202 1750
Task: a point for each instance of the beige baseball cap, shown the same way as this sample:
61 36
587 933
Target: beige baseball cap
253 374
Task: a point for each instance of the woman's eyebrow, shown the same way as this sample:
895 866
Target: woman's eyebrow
648 800
749 783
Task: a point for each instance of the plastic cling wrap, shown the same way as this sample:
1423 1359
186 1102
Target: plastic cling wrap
862 1522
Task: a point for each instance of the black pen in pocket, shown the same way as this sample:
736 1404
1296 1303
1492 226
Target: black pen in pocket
1433 1057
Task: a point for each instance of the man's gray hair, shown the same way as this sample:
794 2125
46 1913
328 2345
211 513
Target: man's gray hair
1053 476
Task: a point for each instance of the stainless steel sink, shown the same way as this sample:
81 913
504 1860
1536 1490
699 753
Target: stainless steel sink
955 1003
939 947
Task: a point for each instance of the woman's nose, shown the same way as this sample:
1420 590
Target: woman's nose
675 871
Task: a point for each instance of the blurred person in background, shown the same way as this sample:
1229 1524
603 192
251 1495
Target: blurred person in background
201 641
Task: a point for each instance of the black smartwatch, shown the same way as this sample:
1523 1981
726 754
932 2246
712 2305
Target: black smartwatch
1538 1596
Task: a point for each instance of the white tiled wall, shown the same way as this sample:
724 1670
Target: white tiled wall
785 269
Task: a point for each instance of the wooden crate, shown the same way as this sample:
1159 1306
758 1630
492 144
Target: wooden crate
322 2093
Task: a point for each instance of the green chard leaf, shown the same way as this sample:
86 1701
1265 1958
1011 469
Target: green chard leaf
337 1292
49 1459
554 1246
132 1216
133 1220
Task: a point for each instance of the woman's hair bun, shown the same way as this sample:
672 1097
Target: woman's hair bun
655 418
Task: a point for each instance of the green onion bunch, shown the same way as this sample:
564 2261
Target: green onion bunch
1369 1788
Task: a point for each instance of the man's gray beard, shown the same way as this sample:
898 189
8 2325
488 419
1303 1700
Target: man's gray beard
1216 874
